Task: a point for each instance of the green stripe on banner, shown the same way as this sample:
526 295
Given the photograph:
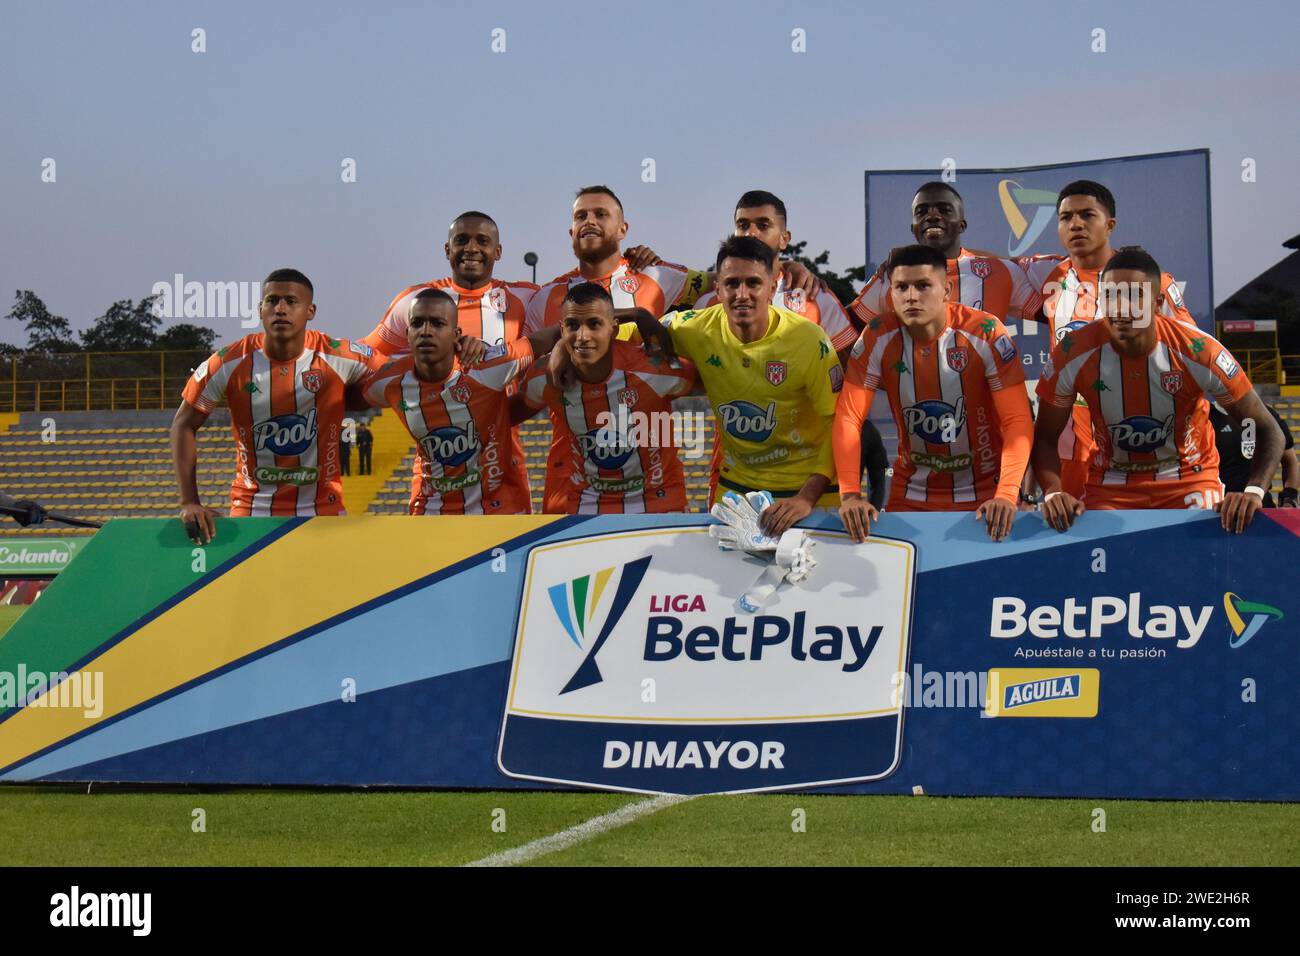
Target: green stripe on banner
119 576
580 603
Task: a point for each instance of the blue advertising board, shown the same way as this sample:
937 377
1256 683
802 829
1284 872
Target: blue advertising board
1140 654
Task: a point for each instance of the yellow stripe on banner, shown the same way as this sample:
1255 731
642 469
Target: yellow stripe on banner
323 568
602 578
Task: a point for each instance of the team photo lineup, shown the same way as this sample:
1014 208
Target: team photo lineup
1123 404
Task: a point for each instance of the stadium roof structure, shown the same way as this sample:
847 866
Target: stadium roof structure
1283 276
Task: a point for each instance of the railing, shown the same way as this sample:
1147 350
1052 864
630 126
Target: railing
1263 366
95 381
1290 369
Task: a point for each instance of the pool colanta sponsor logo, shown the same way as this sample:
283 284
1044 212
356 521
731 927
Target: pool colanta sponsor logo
1141 433
936 422
450 446
286 434
605 448
748 421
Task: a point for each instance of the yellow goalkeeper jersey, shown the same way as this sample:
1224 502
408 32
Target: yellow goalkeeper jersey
773 399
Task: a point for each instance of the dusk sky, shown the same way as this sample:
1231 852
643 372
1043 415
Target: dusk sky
224 164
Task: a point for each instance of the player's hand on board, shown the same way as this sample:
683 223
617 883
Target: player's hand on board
200 523
997 515
1237 509
783 514
799 276
857 514
1060 509
640 257
470 350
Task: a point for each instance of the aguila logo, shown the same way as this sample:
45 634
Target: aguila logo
286 434
1141 433
936 422
450 446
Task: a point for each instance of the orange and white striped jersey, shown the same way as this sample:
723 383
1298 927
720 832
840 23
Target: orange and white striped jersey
493 313
622 455
1149 415
997 286
1070 302
286 417
468 459
959 401
823 308
654 288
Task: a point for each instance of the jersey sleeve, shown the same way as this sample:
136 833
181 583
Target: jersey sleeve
851 411
355 360
671 279
389 336
871 303
502 364
1217 373
205 389
535 311
534 388
1026 300
1002 365
835 321
373 388
1058 382
1174 306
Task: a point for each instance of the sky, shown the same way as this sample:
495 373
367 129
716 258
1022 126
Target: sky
222 165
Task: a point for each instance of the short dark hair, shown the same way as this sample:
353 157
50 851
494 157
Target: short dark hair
1136 258
745 247
587 293
289 275
435 295
937 184
602 190
915 255
475 214
761 197
1086 187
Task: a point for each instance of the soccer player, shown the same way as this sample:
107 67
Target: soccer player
468 460
1085 221
489 309
597 230
771 377
284 386
982 282
615 419
1145 377
762 215
956 388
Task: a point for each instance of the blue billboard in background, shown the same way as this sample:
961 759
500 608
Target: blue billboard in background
1162 202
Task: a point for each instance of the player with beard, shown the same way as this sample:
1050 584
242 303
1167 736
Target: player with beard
1085 222
1145 377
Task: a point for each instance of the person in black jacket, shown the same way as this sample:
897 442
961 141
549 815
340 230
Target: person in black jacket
1237 448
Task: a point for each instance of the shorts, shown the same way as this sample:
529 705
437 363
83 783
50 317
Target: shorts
1201 494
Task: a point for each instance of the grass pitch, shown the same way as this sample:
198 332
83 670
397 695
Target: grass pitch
63 826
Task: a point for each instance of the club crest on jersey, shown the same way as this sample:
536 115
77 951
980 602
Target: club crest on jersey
629 284
981 268
795 300
627 396
776 372
497 300
958 359
461 392
312 380
450 446
1171 382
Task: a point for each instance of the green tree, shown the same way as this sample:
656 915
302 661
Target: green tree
46 332
126 327
186 336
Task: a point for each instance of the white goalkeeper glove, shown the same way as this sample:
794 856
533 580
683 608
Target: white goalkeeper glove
790 554
740 530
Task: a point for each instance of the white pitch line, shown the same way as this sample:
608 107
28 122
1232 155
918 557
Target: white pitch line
582 831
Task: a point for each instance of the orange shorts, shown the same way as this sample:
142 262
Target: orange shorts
1202 493
897 502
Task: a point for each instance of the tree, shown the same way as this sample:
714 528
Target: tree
46 332
126 327
184 336
840 285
